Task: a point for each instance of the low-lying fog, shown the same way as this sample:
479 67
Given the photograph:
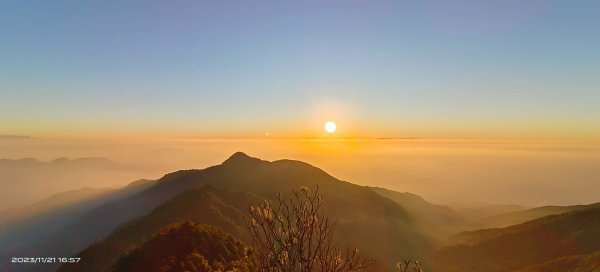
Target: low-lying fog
454 172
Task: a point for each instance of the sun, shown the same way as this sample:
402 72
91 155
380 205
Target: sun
330 127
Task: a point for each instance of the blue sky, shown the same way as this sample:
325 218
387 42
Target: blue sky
243 68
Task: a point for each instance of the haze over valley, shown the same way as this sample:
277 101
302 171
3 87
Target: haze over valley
446 171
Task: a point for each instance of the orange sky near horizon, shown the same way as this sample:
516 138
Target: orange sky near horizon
445 171
346 128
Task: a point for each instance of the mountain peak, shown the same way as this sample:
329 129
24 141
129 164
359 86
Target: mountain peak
240 159
239 155
60 160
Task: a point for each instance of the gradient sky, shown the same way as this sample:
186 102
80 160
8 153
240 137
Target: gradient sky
244 68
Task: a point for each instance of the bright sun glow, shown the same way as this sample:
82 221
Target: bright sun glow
330 126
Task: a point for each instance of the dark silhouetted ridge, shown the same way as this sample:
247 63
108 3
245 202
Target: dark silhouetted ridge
379 227
241 159
546 241
518 217
209 205
188 247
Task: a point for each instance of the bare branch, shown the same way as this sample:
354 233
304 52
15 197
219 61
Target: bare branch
293 236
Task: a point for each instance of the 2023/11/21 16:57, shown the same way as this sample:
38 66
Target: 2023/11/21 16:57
45 260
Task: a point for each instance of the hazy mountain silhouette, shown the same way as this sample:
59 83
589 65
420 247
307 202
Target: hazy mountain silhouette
552 240
93 162
50 216
110 230
54 202
375 224
209 205
14 137
474 213
21 226
437 221
26 181
518 217
20 162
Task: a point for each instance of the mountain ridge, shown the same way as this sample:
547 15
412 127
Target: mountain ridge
27 181
439 221
524 245
518 217
365 219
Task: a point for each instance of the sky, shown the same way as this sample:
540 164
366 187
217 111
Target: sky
457 101
458 69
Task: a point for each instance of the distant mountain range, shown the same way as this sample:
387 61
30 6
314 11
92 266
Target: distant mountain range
26 181
106 227
437 221
378 226
474 213
544 244
32 224
24 225
518 217
95 162
54 202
